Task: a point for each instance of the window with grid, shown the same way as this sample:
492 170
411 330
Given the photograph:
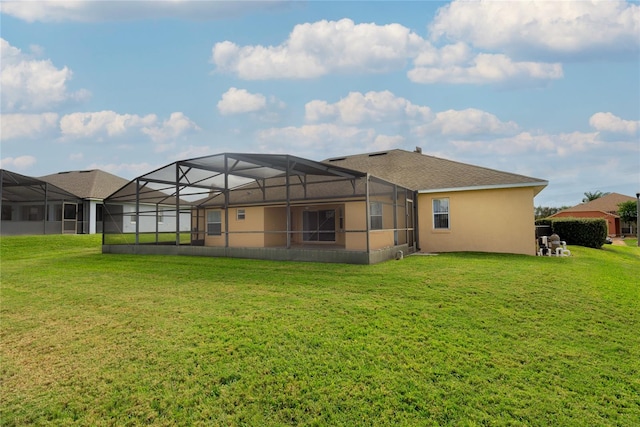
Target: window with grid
214 223
441 214
375 215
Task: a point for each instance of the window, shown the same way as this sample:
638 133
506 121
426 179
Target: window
375 215
214 223
441 214
240 215
160 215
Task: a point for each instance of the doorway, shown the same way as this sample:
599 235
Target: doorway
69 218
319 226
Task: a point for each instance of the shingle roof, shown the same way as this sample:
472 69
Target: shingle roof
421 172
22 188
87 184
608 203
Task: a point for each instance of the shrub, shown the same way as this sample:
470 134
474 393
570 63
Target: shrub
589 232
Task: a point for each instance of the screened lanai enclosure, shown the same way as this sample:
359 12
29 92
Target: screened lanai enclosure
33 206
264 206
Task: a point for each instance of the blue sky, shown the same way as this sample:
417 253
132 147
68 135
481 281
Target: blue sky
545 89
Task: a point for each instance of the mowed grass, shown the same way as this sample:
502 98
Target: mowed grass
454 339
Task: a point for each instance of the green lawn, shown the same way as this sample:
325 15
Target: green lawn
453 339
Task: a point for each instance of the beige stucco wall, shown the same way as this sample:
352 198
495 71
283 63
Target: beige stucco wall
275 224
379 239
247 232
355 219
483 220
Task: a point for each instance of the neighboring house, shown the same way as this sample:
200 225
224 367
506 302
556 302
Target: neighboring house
33 206
65 202
359 209
605 207
91 187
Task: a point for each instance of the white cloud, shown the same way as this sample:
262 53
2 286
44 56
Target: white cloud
309 140
316 49
561 145
384 108
27 125
541 26
30 84
96 11
484 68
466 122
358 108
236 101
103 124
18 163
176 126
610 123
387 142
125 170
193 151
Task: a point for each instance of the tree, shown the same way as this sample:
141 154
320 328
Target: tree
588 196
628 211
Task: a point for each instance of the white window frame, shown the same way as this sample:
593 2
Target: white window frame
440 211
375 211
211 221
241 214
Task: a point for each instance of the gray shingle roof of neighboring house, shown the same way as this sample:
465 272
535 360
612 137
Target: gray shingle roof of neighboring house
87 184
608 203
424 173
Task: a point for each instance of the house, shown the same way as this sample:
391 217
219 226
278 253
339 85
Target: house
33 206
64 202
358 209
90 187
460 207
605 207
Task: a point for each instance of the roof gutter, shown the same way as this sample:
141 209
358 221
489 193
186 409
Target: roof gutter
540 184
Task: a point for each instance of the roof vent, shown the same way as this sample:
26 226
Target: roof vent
418 150
337 159
377 154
